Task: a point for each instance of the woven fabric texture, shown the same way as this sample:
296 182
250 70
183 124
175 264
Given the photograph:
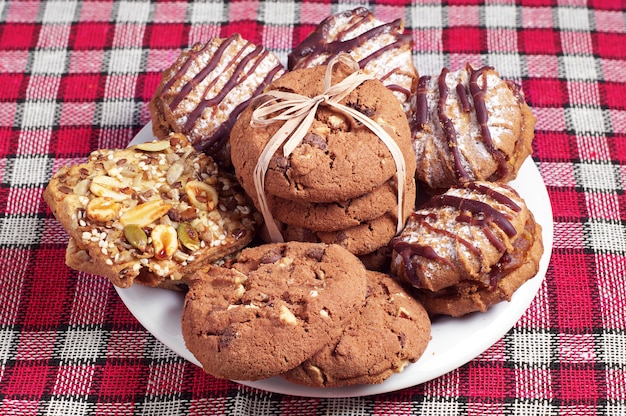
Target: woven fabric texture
76 76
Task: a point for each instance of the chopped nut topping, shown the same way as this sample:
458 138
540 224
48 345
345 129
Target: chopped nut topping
286 316
154 146
145 214
154 206
102 209
164 241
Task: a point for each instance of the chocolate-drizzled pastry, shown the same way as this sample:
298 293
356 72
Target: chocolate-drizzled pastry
382 49
469 125
468 248
205 90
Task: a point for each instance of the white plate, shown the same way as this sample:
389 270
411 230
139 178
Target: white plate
455 341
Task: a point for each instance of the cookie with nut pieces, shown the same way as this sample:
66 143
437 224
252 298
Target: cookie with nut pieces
339 158
273 309
391 331
151 213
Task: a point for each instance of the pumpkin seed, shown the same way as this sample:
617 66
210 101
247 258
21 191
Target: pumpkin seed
188 236
136 236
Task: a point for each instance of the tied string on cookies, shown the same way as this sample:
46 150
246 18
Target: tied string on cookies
298 112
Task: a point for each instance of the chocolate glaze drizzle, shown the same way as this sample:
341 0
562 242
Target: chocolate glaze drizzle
315 44
471 211
478 94
481 212
219 136
420 117
477 91
448 126
462 93
237 77
407 250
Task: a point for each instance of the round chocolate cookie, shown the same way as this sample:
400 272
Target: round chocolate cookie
276 307
469 125
335 216
339 158
360 240
391 331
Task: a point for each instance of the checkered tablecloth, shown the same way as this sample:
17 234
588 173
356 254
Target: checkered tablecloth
77 75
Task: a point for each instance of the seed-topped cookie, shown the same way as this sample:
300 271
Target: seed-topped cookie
150 213
204 91
276 307
469 125
390 332
339 158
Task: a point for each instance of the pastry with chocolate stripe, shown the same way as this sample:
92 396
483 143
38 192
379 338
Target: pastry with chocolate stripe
469 125
205 90
382 49
468 248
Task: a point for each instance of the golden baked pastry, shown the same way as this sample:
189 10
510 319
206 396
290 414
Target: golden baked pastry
469 125
468 248
382 49
204 91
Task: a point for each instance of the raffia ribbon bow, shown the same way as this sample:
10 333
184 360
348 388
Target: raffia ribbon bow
298 112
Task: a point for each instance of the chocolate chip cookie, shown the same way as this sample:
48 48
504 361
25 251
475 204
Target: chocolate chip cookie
391 331
339 215
276 307
339 158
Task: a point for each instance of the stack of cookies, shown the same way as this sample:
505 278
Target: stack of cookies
339 185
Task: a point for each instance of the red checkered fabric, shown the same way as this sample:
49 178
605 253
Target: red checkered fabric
77 75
